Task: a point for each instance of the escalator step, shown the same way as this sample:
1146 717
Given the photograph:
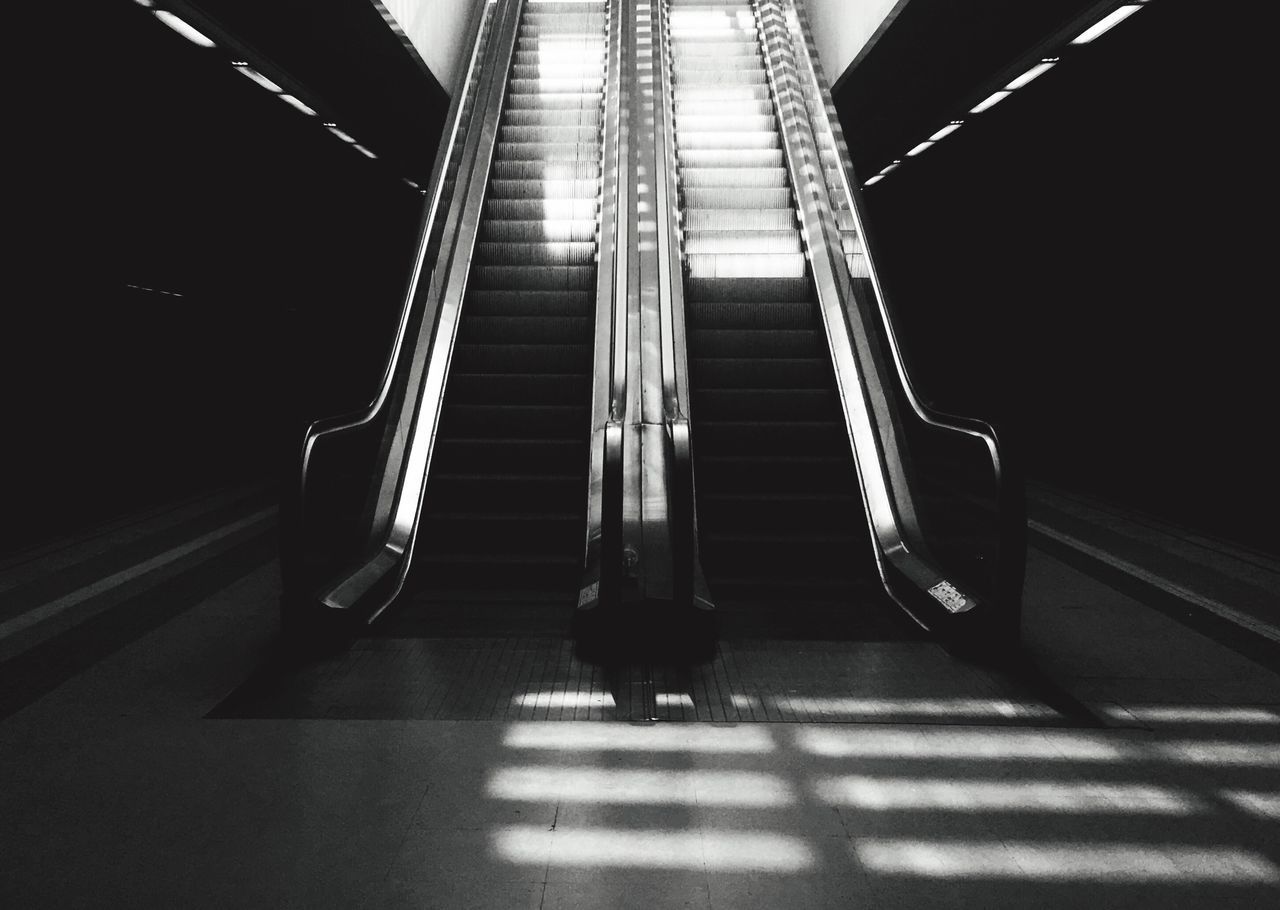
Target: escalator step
526 388
552 188
738 198
755 373
529 303
712 314
746 290
758 345
562 421
542 456
521 494
752 265
531 329
536 209
777 474
556 253
737 177
751 107
767 404
585 116
531 535
739 242
549 151
492 357
545 170
731 157
782 437
542 278
580 230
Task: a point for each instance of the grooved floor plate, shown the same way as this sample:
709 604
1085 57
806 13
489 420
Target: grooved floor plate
543 679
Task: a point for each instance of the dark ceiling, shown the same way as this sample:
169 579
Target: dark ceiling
348 59
932 57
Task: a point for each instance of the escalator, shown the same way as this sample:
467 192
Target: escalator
779 511
642 262
505 501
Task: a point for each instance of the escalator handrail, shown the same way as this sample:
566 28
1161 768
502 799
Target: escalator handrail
676 394
675 363
888 505
402 488
853 197
326 426
609 376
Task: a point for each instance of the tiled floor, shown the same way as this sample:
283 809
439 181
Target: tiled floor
119 789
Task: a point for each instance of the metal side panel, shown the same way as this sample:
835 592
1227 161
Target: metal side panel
366 589
879 429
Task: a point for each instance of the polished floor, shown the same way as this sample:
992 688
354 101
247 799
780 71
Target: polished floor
166 764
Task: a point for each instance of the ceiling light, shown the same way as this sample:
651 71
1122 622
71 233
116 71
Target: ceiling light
1106 24
181 27
363 151
990 101
339 133
946 131
874 180
289 99
1042 67
257 77
919 148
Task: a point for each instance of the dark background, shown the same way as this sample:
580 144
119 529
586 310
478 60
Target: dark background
1080 265
1084 264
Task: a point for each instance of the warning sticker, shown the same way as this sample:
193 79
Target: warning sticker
945 593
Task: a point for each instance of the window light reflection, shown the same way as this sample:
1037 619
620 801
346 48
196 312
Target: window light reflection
918 707
1195 714
552 699
720 850
640 786
1264 804
577 736
1060 796
995 744
1098 862
1210 752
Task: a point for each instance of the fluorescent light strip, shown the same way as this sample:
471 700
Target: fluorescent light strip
257 77
990 101
874 180
294 102
1038 70
362 150
183 29
1106 24
339 133
946 131
922 147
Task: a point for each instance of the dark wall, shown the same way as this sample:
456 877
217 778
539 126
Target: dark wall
1086 264
154 164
